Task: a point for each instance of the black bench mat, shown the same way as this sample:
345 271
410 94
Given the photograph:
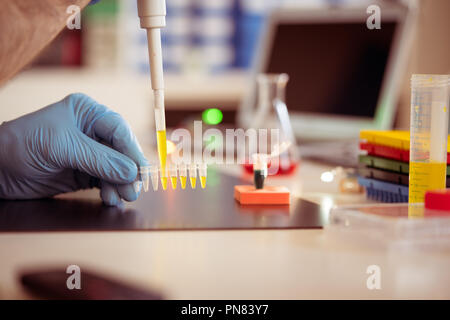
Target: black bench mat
213 208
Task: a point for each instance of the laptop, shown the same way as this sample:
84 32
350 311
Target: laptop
343 76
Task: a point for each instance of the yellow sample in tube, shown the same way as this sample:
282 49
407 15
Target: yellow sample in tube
173 180
193 182
424 176
428 135
203 182
416 211
164 183
183 182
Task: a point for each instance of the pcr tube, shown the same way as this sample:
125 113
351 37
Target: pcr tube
144 174
182 172
202 169
164 178
193 175
154 177
173 173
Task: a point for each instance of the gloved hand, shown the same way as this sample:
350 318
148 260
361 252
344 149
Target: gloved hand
57 149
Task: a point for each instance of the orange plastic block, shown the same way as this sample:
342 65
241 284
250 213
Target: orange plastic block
268 195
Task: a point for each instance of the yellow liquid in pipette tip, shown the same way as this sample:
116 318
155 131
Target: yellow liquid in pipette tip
193 182
203 182
173 180
425 176
183 182
162 154
164 183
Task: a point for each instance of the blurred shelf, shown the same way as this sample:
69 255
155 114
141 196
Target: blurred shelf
194 91
183 91
126 93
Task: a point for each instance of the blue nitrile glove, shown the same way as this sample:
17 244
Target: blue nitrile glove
57 149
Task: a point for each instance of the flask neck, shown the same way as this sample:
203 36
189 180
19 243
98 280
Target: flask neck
272 88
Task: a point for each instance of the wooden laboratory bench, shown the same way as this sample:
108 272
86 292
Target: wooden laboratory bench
241 264
251 264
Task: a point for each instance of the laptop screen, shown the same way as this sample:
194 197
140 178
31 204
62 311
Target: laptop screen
334 68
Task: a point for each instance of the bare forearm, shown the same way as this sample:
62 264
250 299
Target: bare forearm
26 27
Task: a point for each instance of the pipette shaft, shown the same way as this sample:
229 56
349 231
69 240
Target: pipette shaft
152 16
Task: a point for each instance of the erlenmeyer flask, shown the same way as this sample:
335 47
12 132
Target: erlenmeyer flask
272 113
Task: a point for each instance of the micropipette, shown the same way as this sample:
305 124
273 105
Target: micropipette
152 17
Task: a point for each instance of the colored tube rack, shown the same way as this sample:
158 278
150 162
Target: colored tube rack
173 173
